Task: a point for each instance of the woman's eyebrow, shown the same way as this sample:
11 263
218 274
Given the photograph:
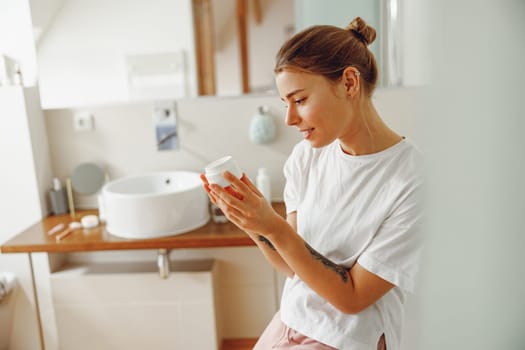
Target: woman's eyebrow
290 94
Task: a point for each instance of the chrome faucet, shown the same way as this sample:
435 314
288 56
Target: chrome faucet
163 263
164 117
166 138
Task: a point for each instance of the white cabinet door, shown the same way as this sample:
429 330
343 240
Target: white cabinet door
114 306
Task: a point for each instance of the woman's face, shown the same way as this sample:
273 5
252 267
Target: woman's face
318 108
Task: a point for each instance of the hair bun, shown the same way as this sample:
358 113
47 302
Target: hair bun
362 30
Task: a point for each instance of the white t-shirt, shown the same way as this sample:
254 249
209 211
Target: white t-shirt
355 208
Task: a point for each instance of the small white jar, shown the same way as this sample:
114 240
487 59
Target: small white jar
214 171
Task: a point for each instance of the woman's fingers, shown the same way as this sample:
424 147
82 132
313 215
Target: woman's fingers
205 183
234 193
250 185
204 179
207 188
239 186
250 212
213 198
228 189
229 205
234 216
227 197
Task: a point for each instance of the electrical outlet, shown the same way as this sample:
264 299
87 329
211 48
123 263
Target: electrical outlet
83 121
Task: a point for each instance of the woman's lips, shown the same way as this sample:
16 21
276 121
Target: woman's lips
307 133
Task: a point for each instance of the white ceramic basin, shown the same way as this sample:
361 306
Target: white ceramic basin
155 205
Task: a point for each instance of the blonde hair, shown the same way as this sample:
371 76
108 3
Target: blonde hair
329 50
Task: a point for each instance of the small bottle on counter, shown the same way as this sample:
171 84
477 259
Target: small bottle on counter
58 198
263 184
217 215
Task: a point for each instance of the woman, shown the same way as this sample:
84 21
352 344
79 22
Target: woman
349 245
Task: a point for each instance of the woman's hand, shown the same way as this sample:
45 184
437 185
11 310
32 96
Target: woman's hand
229 189
243 204
253 202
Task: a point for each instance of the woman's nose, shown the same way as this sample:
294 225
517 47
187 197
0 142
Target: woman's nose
291 116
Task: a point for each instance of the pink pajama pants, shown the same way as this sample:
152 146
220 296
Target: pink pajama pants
279 336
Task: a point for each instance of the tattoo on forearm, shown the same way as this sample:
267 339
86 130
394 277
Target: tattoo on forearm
267 242
340 270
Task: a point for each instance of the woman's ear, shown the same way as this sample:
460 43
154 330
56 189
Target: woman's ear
351 80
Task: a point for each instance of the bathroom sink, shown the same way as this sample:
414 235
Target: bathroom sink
155 205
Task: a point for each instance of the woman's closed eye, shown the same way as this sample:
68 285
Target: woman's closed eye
297 101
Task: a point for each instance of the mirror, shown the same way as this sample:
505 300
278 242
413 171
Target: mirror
96 51
238 43
340 13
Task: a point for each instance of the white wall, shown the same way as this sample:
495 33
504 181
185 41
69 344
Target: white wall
416 42
124 140
474 286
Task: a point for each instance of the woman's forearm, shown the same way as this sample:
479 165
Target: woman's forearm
271 254
330 280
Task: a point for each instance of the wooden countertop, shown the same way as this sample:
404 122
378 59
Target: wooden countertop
36 238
